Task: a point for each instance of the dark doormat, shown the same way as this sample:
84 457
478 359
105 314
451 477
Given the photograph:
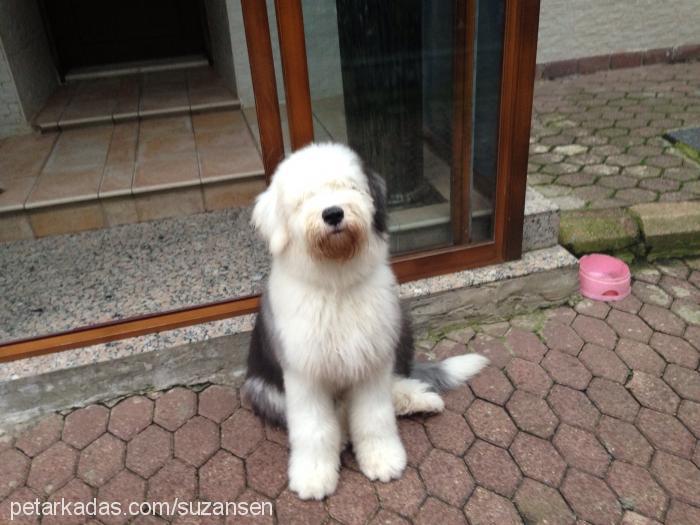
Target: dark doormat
687 141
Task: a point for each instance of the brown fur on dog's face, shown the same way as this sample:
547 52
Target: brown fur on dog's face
338 245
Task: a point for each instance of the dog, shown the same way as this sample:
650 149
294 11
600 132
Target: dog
331 353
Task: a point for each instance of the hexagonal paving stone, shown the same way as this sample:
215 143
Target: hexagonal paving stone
85 425
491 423
175 480
486 507
290 509
446 477
74 494
493 468
604 363
629 326
435 511
684 381
688 310
266 469
637 489
101 460
149 451
175 407
558 336
581 449
449 431
538 459
196 441
124 488
590 498
15 467
354 501
681 513
218 402
591 308
528 376
675 350
651 294
652 392
52 468
415 440
678 476
573 407
532 414
612 399
639 356
41 436
629 304
241 433
624 441
492 348
539 503
492 385
665 432
222 478
566 370
458 399
525 345
689 414
130 417
662 320
404 495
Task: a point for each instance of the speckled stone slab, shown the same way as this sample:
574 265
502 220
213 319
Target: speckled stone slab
65 282
538 261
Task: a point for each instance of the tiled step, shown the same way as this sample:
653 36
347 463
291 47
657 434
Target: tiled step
136 96
93 177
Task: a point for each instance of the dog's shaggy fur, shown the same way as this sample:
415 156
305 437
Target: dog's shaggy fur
332 351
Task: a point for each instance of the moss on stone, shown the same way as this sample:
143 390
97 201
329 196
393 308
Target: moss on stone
669 229
588 231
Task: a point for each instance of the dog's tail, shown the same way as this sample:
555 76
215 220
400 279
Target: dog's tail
420 391
450 373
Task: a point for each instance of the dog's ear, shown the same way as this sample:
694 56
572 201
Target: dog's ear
269 221
377 189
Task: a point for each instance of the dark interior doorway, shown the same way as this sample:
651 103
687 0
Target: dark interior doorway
89 33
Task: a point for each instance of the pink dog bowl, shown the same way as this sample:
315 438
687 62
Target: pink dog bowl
604 278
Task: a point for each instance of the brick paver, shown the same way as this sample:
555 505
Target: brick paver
591 414
597 139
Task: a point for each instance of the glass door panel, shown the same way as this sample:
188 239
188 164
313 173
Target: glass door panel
394 81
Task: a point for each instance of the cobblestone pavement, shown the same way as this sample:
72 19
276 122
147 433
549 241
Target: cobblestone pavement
597 139
589 413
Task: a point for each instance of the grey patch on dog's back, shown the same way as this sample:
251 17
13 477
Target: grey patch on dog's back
431 373
264 385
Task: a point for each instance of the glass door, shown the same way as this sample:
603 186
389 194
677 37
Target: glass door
417 89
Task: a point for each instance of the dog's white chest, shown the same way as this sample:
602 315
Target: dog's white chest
336 337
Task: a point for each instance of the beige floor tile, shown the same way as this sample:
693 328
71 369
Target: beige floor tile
164 92
127 105
119 210
14 193
225 146
232 194
25 155
166 156
81 149
173 203
51 113
93 101
57 220
14 226
121 160
64 188
207 90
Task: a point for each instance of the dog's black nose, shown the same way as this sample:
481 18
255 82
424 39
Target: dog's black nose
333 215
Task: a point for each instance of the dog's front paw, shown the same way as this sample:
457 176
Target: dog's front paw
313 479
383 459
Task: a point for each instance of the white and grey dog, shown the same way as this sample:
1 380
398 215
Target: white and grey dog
332 351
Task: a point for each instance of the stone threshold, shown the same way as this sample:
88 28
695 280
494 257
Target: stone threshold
652 231
216 351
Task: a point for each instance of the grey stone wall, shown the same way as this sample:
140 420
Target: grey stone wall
12 119
221 52
576 28
26 50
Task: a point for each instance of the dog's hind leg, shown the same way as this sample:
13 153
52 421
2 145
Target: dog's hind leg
411 396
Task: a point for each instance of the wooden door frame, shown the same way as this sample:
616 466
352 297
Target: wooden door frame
517 83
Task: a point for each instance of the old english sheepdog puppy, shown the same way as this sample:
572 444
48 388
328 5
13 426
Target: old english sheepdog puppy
331 355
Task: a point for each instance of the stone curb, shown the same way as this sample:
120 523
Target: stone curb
652 231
